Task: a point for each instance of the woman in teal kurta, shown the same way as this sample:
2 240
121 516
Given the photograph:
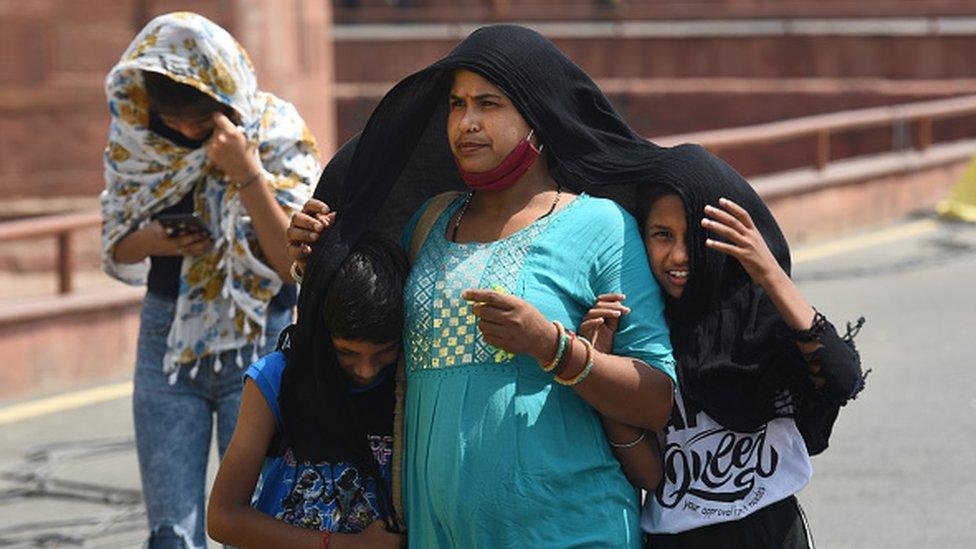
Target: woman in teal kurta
498 454
503 442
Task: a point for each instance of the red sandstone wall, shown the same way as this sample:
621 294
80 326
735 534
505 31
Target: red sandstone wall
896 57
49 353
55 55
615 10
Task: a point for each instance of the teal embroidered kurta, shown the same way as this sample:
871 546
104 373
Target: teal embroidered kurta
497 453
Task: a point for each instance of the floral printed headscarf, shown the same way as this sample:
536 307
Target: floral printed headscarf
224 293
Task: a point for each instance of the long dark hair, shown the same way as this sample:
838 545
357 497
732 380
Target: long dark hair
320 421
724 328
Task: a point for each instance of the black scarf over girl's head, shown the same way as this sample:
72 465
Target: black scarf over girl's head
402 158
724 328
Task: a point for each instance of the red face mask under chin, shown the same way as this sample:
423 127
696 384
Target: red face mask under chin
510 170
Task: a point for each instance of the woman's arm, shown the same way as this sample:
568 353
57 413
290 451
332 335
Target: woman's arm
623 389
637 451
228 149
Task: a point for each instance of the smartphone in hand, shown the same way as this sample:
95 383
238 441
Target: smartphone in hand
182 224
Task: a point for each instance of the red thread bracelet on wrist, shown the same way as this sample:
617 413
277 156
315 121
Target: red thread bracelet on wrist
324 544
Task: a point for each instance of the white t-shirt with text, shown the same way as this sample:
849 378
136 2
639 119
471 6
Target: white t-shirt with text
713 475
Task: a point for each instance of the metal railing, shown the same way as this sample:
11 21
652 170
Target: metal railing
919 115
60 227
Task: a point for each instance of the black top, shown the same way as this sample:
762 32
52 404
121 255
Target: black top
164 271
376 402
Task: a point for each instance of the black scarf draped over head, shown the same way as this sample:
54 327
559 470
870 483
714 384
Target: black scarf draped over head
734 352
402 158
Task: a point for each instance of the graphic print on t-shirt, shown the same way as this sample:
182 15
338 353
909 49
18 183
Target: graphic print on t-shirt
712 474
335 497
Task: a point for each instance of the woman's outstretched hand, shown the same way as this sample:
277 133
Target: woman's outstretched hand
307 227
743 241
601 322
512 324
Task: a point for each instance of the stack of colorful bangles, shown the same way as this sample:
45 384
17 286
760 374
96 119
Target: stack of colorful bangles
563 351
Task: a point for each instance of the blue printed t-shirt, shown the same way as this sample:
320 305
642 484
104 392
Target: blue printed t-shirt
497 453
323 495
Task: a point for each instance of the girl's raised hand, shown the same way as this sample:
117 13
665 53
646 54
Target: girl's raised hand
228 149
743 241
602 321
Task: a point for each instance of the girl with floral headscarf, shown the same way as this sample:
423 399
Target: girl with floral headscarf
191 134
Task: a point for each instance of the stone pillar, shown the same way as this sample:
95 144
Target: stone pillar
290 43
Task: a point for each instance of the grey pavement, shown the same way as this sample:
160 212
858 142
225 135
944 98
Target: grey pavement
901 469
71 479
900 472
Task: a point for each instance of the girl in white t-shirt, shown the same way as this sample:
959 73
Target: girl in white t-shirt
761 373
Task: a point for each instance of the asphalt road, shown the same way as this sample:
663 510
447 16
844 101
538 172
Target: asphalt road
900 472
901 469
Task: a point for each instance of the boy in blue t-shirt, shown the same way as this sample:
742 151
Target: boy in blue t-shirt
322 493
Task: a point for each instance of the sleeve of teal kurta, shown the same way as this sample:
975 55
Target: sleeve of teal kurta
621 267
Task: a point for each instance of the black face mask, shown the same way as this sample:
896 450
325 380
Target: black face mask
157 126
385 373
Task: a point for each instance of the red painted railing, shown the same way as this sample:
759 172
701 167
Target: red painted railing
920 115
60 227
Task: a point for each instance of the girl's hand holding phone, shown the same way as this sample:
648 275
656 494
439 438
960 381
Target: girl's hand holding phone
188 244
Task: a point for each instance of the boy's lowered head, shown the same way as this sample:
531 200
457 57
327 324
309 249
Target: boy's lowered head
363 309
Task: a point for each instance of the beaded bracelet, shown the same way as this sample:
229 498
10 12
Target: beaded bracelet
586 369
560 348
630 444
